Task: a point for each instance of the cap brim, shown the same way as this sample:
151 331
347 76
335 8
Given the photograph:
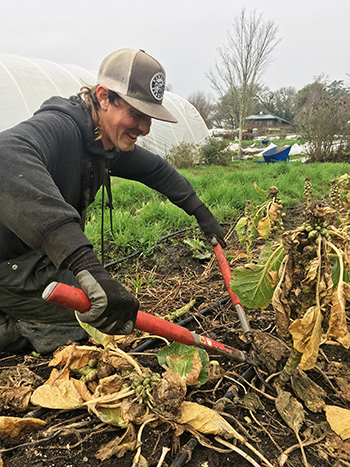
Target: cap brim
156 111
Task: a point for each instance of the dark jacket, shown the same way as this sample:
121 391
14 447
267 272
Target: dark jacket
51 168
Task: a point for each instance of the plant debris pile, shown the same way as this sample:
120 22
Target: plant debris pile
108 403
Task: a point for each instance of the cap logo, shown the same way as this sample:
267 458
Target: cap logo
158 86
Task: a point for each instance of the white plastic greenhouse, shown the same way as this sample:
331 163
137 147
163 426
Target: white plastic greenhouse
26 83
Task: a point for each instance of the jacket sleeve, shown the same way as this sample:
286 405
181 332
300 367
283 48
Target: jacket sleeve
31 204
155 172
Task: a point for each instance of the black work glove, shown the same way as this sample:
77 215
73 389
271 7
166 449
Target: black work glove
113 308
209 224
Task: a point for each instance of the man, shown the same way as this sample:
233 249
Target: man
51 167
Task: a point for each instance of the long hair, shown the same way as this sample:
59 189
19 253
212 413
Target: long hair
88 95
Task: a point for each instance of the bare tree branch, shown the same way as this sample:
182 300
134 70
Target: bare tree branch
243 60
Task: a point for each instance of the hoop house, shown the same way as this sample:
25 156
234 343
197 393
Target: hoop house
25 83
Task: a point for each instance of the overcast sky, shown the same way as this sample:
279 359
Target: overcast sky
183 35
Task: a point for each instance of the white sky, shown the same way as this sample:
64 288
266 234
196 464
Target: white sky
182 34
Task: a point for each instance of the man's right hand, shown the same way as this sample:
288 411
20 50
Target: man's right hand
113 308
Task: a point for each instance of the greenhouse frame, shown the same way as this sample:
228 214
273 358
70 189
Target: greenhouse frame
26 83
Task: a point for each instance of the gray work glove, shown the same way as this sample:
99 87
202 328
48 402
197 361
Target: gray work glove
209 224
113 308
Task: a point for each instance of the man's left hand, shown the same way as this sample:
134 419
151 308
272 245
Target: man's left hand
209 224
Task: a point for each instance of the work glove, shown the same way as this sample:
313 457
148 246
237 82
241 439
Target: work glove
113 309
209 224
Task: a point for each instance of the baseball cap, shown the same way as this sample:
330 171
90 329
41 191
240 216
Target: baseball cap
138 79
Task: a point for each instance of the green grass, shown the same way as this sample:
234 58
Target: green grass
141 216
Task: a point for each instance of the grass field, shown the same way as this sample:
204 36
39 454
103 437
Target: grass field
141 216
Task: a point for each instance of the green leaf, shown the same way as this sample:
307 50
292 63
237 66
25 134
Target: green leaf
252 282
199 249
240 227
265 253
98 336
260 190
111 416
336 271
169 356
199 255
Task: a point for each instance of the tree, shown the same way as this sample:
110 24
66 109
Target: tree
308 92
223 115
204 105
323 119
281 102
243 59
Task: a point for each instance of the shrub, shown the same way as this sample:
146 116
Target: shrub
323 123
184 156
213 152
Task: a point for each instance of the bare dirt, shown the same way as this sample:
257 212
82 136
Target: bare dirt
168 280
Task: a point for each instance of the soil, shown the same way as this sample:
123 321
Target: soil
167 280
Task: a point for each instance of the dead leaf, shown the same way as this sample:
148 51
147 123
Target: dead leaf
215 372
273 278
290 410
193 375
169 394
80 356
316 431
311 273
307 333
132 412
237 255
61 393
16 398
121 414
56 377
343 383
325 286
347 255
264 227
337 447
273 211
63 397
119 362
279 301
109 385
206 421
308 391
268 350
14 427
337 321
140 462
249 401
339 420
119 446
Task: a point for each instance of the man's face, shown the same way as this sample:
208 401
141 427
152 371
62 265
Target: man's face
121 124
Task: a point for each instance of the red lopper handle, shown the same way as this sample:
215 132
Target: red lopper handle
226 274
225 271
76 299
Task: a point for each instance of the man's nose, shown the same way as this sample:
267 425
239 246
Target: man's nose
145 125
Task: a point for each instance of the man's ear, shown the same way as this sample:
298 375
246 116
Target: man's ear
102 96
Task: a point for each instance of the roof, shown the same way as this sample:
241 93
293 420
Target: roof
263 116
